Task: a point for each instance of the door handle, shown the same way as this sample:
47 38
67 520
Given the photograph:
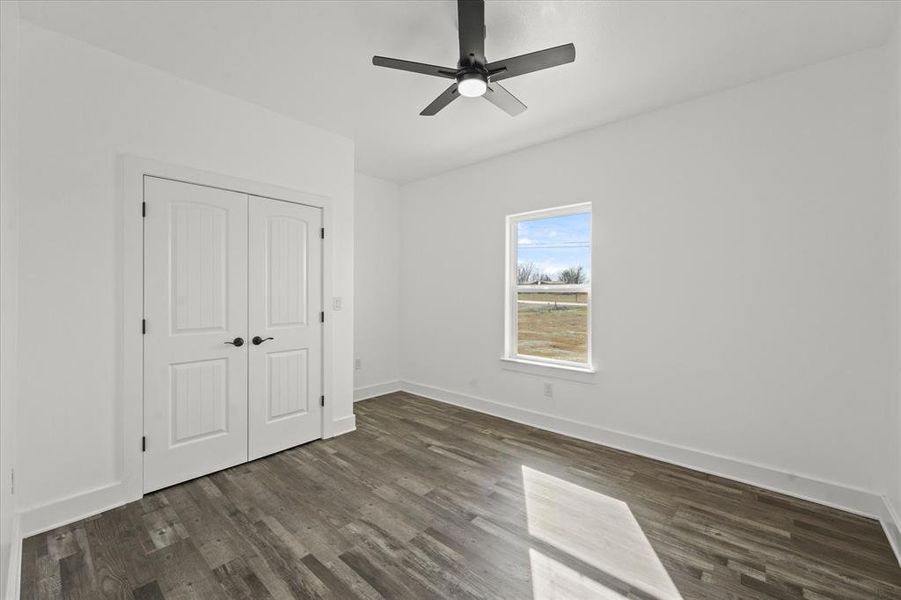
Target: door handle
238 342
257 340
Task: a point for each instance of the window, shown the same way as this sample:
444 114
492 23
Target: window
549 287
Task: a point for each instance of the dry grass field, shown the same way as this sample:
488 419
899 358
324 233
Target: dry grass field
553 332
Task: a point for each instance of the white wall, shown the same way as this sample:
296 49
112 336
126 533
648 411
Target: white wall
743 280
376 285
896 63
893 49
81 109
9 86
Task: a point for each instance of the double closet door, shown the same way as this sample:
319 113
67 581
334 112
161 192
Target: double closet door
233 336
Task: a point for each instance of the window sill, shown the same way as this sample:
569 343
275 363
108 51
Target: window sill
531 367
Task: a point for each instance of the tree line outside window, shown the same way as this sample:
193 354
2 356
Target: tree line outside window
529 274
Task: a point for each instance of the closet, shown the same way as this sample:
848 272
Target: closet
232 332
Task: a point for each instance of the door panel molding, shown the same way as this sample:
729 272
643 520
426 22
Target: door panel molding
290 369
133 170
288 305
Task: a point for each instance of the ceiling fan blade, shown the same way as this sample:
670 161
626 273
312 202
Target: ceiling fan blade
414 67
446 97
534 61
471 26
504 100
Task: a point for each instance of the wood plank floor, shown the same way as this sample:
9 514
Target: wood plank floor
426 500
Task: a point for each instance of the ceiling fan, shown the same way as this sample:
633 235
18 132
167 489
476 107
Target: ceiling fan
474 75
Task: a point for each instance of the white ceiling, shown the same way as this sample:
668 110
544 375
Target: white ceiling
311 61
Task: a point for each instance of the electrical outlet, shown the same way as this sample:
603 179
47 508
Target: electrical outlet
548 390
336 303
358 364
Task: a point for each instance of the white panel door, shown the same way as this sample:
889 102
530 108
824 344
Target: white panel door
195 303
285 299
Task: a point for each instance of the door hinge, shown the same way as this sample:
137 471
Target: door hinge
321 400
322 232
143 443
143 209
322 317
143 326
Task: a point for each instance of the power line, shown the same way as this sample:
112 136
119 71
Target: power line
564 245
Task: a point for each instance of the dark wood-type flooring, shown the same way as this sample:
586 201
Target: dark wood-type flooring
427 500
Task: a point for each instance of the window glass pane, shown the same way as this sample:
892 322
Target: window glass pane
554 249
553 325
552 321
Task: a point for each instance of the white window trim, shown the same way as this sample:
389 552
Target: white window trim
512 289
545 369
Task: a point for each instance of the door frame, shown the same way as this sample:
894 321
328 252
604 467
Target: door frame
134 169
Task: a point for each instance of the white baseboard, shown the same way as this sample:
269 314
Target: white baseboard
44 517
376 389
835 495
15 560
60 512
891 523
344 425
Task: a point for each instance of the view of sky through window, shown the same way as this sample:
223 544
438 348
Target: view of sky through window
555 244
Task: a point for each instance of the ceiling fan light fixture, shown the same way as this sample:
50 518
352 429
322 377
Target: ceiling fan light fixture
473 70
472 85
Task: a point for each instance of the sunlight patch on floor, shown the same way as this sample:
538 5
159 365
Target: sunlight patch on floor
552 580
595 529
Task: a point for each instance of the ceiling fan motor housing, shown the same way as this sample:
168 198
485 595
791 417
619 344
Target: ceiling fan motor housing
473 70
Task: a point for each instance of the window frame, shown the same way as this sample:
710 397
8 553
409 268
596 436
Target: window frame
512 289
